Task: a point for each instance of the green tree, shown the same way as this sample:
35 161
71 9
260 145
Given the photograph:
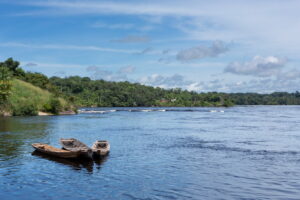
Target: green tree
13 67
5 83
37 79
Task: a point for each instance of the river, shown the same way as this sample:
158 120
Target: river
250 152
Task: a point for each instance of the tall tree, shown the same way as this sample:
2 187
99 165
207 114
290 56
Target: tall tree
13 67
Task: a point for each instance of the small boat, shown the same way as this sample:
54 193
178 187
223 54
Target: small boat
72 144
101 148
50 150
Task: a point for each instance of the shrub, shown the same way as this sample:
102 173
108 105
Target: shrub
25 109
47 108
53 106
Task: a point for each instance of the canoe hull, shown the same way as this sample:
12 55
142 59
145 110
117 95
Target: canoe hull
47 149
101 148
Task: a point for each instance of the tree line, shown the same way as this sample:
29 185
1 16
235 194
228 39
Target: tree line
85 92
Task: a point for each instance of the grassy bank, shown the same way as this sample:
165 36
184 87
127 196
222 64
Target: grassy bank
27 99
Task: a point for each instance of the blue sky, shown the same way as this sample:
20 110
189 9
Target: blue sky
225 46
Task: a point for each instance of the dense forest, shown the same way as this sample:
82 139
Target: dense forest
84 92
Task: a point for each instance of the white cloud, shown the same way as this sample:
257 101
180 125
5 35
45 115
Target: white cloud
292 74
199 52
267 23
266 85
275 22
67 47
284 81
258 66
98 73
126 70
262 27
173 81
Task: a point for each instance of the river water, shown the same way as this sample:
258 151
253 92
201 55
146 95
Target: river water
248 152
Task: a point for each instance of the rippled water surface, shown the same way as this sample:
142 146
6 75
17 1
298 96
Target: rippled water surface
157 153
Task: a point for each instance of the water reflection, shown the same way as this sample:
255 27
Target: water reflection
244 153
76 164
99 161
16 132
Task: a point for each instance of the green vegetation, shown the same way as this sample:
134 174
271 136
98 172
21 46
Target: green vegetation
26 93
276 98
83 91
5 87
18 97
86 92
27 99
5 83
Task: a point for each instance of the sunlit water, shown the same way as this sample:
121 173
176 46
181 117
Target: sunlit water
157 153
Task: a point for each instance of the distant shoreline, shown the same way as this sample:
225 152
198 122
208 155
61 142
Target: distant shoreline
79 110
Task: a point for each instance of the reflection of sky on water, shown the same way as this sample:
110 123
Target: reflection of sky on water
242 152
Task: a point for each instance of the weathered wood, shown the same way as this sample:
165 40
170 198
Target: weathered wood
101 148
72 144
50 150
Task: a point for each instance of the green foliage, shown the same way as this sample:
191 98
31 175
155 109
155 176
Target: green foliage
37 79
13 67
11 64
276 98
53 106
22 98
56 105
24 95
5 84
82 91
25 109
86 92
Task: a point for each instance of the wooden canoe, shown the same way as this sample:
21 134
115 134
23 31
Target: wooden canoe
101 148
50 150
72 144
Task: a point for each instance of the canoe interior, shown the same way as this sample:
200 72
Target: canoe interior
47 147
101 148
50 150
73 144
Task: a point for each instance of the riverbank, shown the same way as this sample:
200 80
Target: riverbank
26 99
70 112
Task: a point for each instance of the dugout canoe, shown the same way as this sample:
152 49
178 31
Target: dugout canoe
75 145
50 150
101 148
